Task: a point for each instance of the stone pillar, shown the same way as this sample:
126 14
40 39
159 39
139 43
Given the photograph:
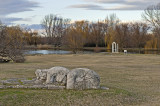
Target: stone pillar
117 48
114 47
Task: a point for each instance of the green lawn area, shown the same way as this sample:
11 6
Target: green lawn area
133 80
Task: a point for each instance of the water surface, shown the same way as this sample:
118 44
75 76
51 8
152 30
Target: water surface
47 52
32 52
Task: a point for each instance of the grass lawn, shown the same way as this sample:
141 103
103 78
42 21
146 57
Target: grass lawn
133 80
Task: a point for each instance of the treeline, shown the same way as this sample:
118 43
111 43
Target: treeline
61 32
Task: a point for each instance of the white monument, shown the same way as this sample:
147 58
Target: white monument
114 47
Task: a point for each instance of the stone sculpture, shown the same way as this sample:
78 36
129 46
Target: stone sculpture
57 75
83 78
57 78
41 75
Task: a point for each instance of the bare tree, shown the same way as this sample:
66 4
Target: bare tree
152 15
139 34
112 20
54 27
122 35
98 31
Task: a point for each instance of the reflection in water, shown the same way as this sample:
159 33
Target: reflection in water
47 52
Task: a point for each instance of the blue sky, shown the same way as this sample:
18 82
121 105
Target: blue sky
33 11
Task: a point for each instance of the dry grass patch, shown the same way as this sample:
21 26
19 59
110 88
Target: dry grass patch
134 79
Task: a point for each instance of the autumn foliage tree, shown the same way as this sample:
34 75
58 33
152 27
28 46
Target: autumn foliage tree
12 43
110 24
151 43
76 35
31 37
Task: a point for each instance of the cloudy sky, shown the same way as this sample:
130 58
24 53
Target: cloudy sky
33 11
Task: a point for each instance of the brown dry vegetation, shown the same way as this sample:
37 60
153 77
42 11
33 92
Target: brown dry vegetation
132 79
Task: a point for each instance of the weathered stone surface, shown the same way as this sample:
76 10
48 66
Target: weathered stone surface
2 86
37 86
19 86
25 81
104 88
18 81
83 78
10 81
55 87
38 82
41 74
57 75
33 87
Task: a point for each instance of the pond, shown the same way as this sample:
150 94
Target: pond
32 52
47 52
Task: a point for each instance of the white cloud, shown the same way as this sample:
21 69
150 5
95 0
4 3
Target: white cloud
116 4
8 7
87 6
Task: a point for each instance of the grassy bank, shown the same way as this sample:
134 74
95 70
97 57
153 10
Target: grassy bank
132 79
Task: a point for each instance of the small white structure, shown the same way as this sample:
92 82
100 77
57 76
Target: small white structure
114 47
125 51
